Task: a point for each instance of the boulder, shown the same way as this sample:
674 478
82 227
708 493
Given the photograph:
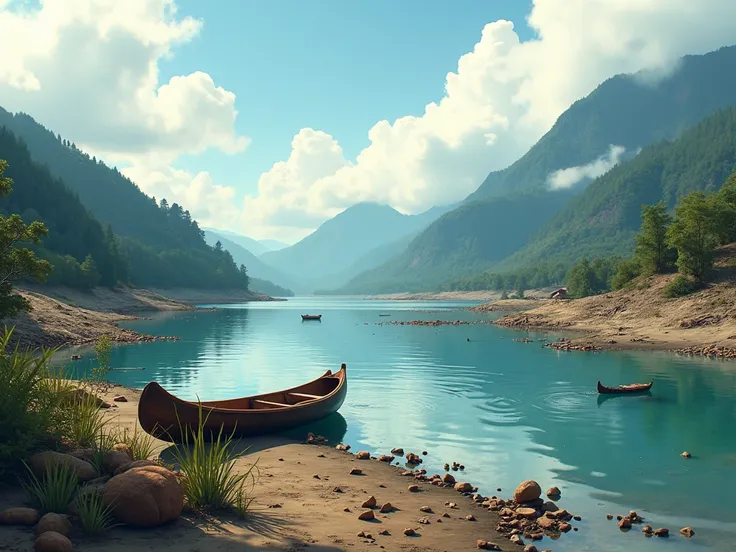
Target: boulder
144 496
463 487
43 461
527 491
554 492
19 516
134 464
448 479
51 541
54 522
363 455
123 447
114 460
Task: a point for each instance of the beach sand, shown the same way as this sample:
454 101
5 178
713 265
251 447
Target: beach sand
310 514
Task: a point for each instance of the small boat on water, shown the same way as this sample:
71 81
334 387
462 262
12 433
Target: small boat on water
632 388
162 415
311 317
384 315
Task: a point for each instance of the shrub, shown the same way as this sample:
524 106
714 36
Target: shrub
680 286
54 491
209 469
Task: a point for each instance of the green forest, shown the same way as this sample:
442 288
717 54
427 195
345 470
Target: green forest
85 252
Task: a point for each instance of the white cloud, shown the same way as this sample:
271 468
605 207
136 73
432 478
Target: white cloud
570 176
504 96
88 69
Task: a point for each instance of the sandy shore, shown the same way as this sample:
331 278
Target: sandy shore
296 506
63 316
480 295
701 323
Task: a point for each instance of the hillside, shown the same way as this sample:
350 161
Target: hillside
641 317
605 217
256 247
623 111
157 245
257 269
343 240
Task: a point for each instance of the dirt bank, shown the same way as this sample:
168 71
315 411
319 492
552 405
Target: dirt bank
480 295
641 318
306 498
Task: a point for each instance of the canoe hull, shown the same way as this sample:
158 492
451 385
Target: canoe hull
625 389
311 317
163 415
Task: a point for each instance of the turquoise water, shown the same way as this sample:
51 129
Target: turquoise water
507 410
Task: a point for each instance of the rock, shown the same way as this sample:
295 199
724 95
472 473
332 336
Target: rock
19 516
550 506
385 458
426 510
687 532
527 491
647 530
343 447
409 532
554 492
413 488
84 454
124 448
386 508
120 398
445 515
412 458
54 522
363 455
530 548
463 487
51 541
448 479
368 515
485 545
80 396
686 454
114 459
529 513
546 522
424 453
356 471
516 539
662 532
470 517
577 518
337 490
48 459
370 503
135 464
384 533
145 496
609 516
398 451
625 523
564 527
316 476
424 521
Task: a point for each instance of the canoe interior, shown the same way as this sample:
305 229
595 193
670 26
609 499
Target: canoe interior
311 317
312 391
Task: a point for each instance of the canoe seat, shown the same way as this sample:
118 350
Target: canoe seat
305 396
269 403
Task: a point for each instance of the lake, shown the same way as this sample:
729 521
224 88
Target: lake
505 409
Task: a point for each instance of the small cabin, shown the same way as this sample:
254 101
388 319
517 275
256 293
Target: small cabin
560 293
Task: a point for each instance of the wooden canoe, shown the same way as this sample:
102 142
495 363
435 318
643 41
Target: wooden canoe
632 388
257 415
311 317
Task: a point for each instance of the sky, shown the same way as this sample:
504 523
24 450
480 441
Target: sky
267 118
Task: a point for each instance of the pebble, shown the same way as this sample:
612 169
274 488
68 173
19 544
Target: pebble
385 533
662 532
413 488
386 508
530 548
647 530
516 539
356 471
426 510
625 523
424 521
337 490
409 532
554 492
687 532
370 503
367 515
470 517
363 455
398 451
343 447
686 454
485 545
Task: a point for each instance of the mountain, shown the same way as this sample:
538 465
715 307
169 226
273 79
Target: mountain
325 256
269 288
257 269
625 111
604 219
257 247
162 244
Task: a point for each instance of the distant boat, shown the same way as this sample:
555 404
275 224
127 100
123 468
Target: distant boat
384 315
163 415
632 388
76 357
311 317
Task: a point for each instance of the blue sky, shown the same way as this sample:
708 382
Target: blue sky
331 65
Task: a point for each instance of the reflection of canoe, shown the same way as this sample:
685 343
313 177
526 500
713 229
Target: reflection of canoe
647 395
632 388
311 317
268 413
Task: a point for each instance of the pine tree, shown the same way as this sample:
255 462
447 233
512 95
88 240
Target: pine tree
91 272
694 232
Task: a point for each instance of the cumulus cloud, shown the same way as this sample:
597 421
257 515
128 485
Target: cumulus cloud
88 69
503 97
570 176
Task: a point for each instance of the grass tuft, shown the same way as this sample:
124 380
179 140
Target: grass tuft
54 491
142 445
94 516
211 481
